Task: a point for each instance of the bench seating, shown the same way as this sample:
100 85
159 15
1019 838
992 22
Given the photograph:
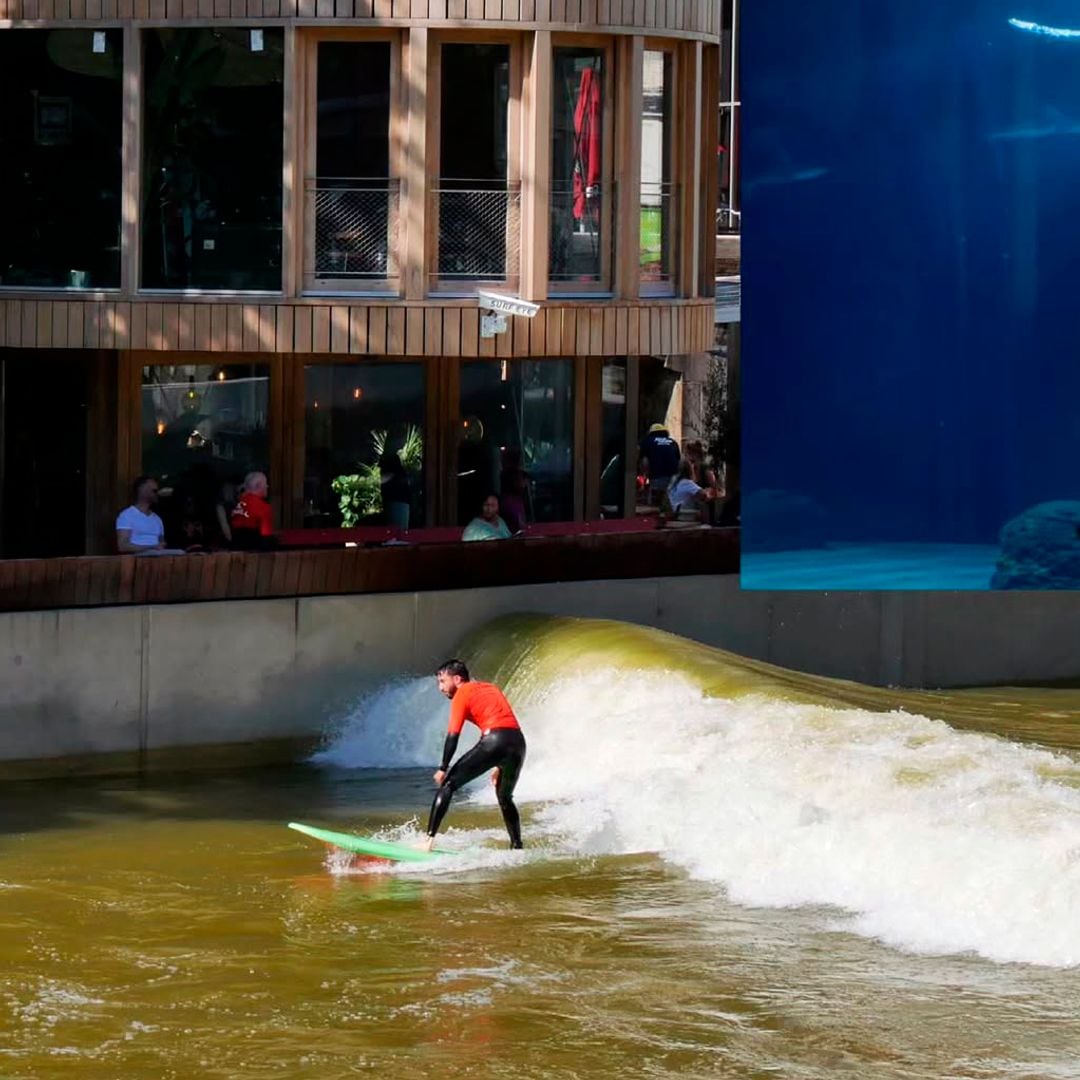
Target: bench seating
377 535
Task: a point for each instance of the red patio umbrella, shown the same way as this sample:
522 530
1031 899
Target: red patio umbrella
587 131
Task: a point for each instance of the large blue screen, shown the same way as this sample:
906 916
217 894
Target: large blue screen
911 287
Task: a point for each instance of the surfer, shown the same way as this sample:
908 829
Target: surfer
501 747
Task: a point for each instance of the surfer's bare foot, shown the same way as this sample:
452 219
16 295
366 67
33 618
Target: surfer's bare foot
427 844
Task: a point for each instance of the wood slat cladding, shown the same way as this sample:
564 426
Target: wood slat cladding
646 328
110 581
682 18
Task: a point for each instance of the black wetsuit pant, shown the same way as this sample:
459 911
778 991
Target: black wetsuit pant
502 748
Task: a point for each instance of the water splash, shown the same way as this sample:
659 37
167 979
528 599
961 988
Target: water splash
398 725
898 826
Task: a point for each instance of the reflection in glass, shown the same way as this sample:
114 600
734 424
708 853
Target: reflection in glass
204 427
517 439
577 166
613 435
352 199
60 134
478 213
659 402
657 189
356 418
212 153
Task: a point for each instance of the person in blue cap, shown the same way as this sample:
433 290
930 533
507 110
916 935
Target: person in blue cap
660 456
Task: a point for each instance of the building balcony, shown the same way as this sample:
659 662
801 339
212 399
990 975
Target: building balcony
352 232
478 224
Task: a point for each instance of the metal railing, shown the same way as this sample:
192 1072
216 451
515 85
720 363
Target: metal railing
478 224
728 299
658 217
580 250
353 230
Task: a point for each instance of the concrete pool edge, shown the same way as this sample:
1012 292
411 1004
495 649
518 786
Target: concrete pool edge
79 683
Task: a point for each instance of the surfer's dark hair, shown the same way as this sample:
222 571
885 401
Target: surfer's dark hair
452 668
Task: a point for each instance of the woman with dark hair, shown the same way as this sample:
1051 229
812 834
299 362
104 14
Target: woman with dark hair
701 472
685 495
489 525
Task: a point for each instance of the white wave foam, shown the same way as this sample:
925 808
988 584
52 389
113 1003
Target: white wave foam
934 840
399 725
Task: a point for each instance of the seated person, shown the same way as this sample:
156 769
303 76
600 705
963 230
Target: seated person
139 531
684 495
488 526
701 472
252 521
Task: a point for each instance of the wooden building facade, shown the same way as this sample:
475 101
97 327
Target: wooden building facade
249 234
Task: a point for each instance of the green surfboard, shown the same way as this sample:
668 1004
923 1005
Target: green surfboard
363 845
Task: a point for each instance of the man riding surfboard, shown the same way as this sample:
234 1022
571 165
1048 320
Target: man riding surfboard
501 747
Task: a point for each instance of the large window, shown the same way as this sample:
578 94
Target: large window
352 199
204 427
658 192
478 208
364 444
580 206
212 159
60 135
45 406
517 438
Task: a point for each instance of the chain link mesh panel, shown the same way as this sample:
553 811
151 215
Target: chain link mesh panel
356 229
479 231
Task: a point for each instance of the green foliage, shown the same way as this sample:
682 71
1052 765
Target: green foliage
412 449
360 494
717 416
652 236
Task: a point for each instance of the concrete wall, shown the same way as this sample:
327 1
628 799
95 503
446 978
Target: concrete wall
134 680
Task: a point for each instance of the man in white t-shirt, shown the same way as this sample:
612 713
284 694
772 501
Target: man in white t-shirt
139 531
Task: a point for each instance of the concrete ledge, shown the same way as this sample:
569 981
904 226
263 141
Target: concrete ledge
136 681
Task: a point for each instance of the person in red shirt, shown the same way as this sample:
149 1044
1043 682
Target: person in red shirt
501 747
252 521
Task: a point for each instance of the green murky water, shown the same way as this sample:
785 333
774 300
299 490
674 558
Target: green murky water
172 927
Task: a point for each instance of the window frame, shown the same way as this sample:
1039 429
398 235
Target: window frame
128 52
676 155
135 124
515 143
129 421
608 248
308 41
295 405
293 499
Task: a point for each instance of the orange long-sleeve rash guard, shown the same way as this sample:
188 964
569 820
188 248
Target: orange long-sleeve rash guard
482 704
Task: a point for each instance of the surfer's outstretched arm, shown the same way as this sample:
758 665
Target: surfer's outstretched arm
447 755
